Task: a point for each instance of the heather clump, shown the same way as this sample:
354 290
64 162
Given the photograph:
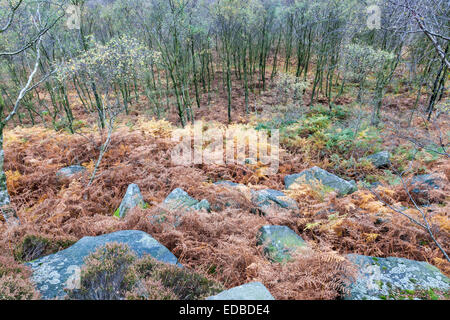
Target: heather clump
114 272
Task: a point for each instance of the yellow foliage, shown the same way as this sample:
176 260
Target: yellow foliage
299 191
375 207
334 225
371 237
386 192
89 165
12 179
261 172
364 197
155 128
442 221
349 206
367 201
312 226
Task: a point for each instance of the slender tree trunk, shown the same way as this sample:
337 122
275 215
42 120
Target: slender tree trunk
194 70
245 79
275 59
228 83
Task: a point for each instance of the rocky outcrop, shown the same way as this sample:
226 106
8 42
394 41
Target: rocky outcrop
327 179
423 183
391 278
263 199
180 199
229 184
53 273
132 199
280 242
180 202
379 160
269 198
248 291
68 173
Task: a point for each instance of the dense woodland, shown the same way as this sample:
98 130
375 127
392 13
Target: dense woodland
104 87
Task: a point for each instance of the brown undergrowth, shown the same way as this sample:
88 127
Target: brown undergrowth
220 244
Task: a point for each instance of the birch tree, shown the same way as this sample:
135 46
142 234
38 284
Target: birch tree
15 22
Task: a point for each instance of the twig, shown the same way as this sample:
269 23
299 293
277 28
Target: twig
104 147
425 226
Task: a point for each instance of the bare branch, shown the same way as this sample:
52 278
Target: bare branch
27 86
426 226
33 41
13 9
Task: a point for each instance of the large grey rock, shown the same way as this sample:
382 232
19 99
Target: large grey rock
132 199
425 182
180 199
269 198
228 183
248 291
51 273
280 242
380 159
330 180
69 172
264 199
382 278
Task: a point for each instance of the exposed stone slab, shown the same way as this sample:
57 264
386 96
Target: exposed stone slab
229 184
180 199
269 198
425 182
264 199
330 180
132 199
51 273
248 291
69 172
280 242
380 159
381 278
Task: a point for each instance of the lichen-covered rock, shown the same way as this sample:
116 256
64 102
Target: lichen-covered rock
68 172
263 199
228 183
425 182
384 278
53 273
233 185
327 179
280 242
132 199
203 204
380 159
269 198
180 199
248 291
8 212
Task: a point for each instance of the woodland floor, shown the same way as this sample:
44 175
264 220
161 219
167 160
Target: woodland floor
222 244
